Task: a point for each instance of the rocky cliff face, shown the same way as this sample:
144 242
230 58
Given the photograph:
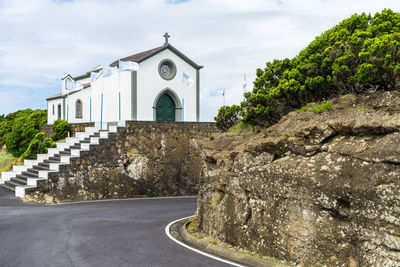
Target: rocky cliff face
316 189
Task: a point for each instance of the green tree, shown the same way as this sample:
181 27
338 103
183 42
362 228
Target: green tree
360 53
227 117
21 128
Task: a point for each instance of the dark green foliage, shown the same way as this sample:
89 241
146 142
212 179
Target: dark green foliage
227 117
61 129
360 53
36 146
19 128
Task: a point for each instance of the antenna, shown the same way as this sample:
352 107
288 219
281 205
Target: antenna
244 85
223 96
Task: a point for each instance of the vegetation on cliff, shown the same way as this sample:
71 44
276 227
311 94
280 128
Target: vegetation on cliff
360 53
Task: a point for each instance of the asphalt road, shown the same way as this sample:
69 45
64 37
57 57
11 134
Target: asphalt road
106 233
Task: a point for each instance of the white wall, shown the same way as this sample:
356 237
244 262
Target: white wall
50 117
70 104
150 83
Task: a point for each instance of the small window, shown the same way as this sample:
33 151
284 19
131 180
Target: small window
59 111
53 109
78 109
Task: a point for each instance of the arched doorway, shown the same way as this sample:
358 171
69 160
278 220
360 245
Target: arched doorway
165 108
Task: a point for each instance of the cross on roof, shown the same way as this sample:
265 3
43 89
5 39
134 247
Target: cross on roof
166 36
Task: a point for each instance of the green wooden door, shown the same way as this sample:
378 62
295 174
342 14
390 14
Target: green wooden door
165 110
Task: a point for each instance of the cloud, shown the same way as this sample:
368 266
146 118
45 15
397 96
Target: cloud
175 2
43 40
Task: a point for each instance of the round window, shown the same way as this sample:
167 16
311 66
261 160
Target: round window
167 69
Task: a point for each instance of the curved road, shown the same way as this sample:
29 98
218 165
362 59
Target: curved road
102 233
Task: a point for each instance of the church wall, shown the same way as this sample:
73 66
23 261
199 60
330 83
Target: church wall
70 112
50 117
116 92
150 83
110 87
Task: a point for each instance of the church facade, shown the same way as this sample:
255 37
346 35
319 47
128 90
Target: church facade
163 85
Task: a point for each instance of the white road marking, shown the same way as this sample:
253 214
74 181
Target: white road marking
167 231
118 199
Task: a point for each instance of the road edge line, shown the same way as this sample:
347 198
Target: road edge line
168 233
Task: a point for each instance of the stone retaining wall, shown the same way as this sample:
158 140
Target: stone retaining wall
142 159
75 127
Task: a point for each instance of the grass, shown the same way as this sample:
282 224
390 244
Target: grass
192 225
213 242
7 161
5 158
317 108
242 127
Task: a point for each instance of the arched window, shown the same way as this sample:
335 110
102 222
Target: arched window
78 109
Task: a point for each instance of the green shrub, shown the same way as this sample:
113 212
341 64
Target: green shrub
37 146
359 54
49 143
20 129
317 108
227 117
61 129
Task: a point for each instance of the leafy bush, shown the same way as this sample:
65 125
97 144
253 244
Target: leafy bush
61 129
359 54
37 146
49 143
19 128
227 117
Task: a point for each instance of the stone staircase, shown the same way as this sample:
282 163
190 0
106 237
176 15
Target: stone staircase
25 178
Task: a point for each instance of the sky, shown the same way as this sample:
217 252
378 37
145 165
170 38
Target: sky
42 41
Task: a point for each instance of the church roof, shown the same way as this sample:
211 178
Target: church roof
60 95
56 96
142 56
136 57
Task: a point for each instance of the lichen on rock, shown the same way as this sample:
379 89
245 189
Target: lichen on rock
313 189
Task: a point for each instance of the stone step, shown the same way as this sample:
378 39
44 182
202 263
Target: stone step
29 174
40 168
33 171
19 181
55 158
46 165
12 188
51 161
24 178
13 184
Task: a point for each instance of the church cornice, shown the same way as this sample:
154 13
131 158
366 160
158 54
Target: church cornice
152 52
56 96
174 50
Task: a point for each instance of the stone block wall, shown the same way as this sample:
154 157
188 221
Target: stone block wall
75 127
142 159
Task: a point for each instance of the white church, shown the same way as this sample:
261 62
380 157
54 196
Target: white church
160 84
